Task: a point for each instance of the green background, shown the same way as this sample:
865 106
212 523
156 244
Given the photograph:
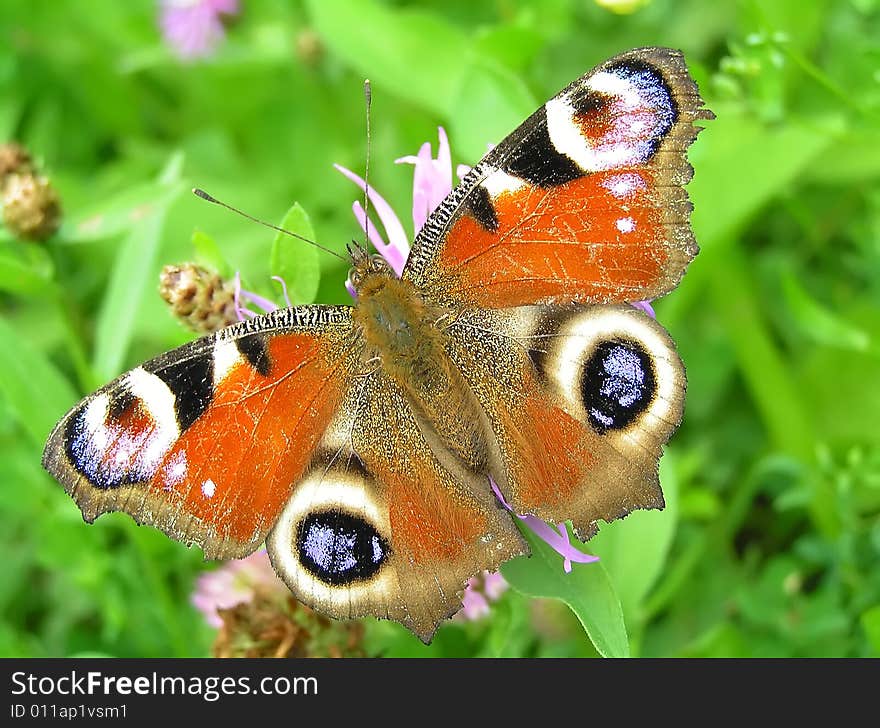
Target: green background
771 542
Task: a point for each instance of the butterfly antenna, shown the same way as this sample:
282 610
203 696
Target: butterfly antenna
368 101
210 198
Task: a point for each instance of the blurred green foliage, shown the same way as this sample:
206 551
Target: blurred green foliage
771 541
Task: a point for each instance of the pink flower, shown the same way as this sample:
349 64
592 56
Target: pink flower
432 181
193 28
264 304
646 307
234 583
485 587
557 538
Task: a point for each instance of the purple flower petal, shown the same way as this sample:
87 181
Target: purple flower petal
494 585
284 290
557 540
263 303
480 591
192 27
395 257
233 583
397 239
239 293
432 180
646 307
473 604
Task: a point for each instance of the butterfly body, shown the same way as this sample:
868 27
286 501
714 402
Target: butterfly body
361 443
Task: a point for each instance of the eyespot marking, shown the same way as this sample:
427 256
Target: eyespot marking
618 384
338 548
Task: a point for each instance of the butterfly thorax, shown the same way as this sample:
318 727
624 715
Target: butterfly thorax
402 332
399 329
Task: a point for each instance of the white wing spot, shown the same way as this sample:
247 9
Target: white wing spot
208 488
624 185
175 469
626 224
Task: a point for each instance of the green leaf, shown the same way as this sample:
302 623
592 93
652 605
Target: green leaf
853 159
587 591
108 218
296 261
491 102
208 253
742 164
36 391
634 550
818 323
396 48
871 624
125 290
25 268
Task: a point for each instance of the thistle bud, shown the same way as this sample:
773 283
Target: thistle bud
198 297
14 159
31 207
273 625
309 48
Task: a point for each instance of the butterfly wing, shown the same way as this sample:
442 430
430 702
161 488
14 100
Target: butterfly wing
270 430
583 202
206 441
580 399
382 523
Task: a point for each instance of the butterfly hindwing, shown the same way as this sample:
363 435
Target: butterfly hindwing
583 202
580 400
382 523
206 441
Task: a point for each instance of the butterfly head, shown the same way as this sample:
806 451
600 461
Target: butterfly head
367 270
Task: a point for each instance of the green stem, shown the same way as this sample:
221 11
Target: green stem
81 366
767 377
168 606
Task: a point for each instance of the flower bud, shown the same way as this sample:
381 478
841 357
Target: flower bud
13 159
309 48
31 208
269 625
198 297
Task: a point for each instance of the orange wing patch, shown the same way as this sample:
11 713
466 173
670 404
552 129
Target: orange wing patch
597 238
429 521
206 442
548 476
234 468
545 451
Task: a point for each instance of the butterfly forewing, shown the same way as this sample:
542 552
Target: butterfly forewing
582 202
206 441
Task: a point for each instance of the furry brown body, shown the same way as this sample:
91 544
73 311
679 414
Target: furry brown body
404 333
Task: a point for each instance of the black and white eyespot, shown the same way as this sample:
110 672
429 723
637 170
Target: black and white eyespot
617 383
121 434
331 543
339 548
614 368
616 117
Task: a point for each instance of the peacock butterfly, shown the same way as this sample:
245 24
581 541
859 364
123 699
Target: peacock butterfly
358 442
